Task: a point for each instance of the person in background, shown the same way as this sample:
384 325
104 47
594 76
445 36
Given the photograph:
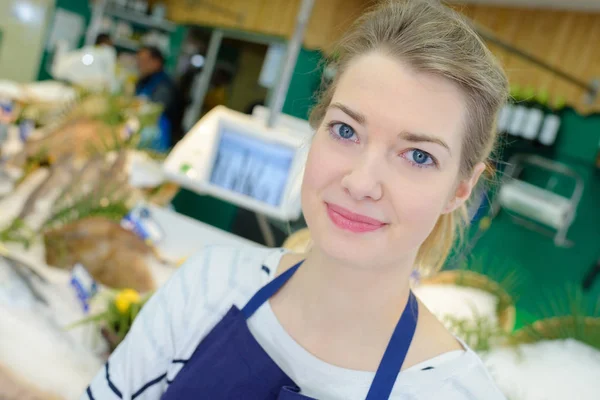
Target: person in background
104 39
155 85
219 86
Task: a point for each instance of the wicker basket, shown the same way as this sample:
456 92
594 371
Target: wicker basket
298 242
506 307
558 328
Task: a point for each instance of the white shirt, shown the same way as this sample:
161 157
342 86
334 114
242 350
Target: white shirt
193 301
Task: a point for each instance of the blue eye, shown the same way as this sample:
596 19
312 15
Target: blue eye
342 130
419 158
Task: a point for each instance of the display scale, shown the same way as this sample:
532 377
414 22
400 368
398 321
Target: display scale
239 159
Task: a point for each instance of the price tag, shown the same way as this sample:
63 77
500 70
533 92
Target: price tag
140 221
84 285
532 124
6 111
550 130
6 105
131 127
516 124
26 127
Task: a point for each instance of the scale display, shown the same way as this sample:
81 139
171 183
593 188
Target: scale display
252 167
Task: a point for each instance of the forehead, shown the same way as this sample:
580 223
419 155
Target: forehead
394 98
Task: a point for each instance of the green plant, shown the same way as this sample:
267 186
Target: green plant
480 334
500 270
565 314
32 163
121 309
114 143
17 232
114 112
104 202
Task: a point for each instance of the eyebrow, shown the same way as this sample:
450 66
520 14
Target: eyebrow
355 115
405 135
421 137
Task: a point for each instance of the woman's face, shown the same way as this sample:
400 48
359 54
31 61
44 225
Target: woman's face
383 166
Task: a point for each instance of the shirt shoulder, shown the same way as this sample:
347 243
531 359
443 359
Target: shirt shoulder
466 379
217 278
220 271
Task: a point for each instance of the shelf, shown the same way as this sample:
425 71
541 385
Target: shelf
127 44
138 18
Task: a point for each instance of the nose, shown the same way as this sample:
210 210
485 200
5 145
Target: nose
363 180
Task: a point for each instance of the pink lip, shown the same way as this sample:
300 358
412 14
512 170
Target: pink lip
352 222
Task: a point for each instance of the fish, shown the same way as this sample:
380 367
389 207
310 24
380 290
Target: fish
37 207
113 255
12 205
39 359
76 136
83 181
14 388
24 273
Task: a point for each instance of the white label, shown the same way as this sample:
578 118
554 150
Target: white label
532 124
550 130
518 117
140 221
504 117
84 285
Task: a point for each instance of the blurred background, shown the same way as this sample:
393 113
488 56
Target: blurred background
131 82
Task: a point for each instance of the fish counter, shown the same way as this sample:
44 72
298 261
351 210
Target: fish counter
86 233
43 311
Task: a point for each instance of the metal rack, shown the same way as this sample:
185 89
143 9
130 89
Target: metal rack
138 18
103 8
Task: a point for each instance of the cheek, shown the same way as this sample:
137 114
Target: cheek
323 168
419 204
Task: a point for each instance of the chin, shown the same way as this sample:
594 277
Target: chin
360 249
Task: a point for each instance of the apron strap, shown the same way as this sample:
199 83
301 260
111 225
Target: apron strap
397 348
396 351
267 291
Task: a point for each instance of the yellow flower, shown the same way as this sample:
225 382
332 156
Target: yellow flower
125 298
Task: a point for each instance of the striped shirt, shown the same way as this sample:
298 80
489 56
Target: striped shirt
193 301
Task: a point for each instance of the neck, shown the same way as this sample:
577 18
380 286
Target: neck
333 290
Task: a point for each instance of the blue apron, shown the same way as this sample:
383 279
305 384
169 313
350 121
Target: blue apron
230 364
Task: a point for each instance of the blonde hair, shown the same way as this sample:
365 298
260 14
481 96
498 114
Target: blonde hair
432 38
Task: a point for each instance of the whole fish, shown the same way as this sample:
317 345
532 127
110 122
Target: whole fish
113 255
33 212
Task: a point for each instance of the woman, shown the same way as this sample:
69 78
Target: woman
402 136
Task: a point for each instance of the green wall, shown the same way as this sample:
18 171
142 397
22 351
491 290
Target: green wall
305 82
544 270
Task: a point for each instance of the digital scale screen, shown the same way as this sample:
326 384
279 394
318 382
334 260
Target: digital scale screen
252 167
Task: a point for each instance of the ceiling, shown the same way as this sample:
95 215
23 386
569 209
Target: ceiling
589 5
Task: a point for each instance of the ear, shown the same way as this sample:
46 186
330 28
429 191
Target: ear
464 189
